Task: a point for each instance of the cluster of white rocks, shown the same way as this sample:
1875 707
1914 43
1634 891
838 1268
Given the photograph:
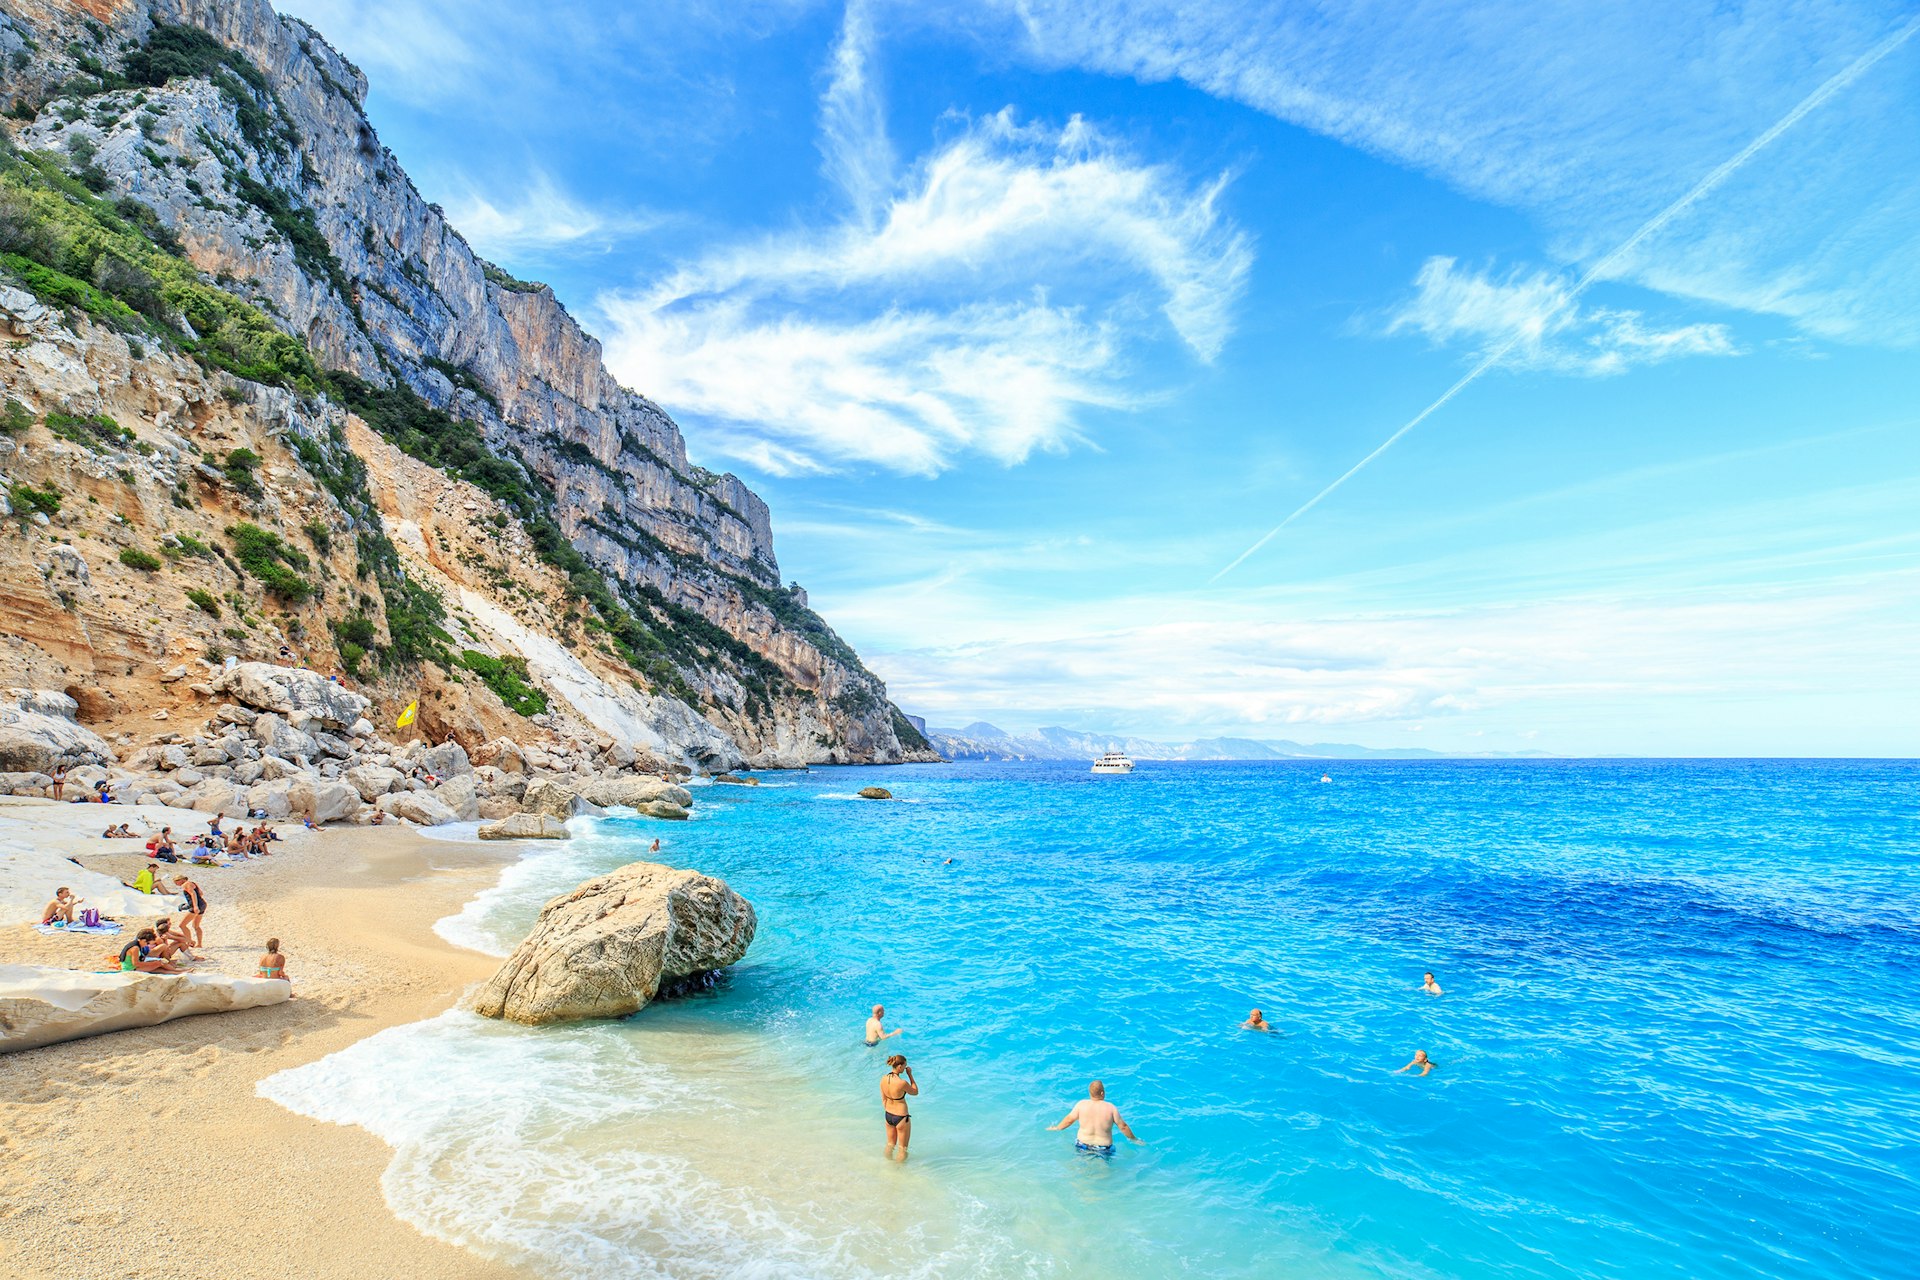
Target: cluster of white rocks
289 743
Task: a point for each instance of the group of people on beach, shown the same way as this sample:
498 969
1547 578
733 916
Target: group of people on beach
1095 1117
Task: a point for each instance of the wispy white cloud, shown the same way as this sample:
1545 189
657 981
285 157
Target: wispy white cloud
992 302
853 125
1587 117
538 218
1455 307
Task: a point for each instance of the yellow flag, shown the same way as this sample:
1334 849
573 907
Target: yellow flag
406 717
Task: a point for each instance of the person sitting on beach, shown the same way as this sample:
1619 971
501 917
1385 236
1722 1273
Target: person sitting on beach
62 907
161 846
273 964
137 957
876 1031
1421 1063
1097 1119
379 817
1431 987
149 880
268 833
306 820
1256 1021
193 912
103 791
894 1088
169 941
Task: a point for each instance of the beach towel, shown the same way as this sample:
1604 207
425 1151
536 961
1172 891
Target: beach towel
105 926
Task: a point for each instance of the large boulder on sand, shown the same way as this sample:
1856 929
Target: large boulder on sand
555 800
448 760
634 793
37 731
290 693
373 780
322 799
525 826
459 795
40 1006
605 950
421 808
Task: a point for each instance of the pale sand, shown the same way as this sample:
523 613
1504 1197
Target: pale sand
146 1153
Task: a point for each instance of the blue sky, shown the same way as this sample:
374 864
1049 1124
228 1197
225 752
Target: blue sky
1030 319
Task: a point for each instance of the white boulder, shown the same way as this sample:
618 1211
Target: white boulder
42 1006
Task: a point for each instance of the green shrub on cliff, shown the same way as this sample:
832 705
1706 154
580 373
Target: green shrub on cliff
204 601
28 500
509 678
266 557
135 558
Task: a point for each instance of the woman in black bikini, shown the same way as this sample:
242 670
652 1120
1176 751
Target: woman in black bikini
193 908
894 1088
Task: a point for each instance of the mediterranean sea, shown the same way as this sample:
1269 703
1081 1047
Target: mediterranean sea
1678 1035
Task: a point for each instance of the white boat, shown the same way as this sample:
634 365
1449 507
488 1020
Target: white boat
1113 762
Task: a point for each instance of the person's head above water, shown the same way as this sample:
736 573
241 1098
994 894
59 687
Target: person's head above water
1420 1055
1256 1016
879 1009
1097 1090
1429 975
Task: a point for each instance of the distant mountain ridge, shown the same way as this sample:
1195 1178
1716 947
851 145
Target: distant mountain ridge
983 741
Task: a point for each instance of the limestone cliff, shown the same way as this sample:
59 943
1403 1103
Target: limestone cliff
234 139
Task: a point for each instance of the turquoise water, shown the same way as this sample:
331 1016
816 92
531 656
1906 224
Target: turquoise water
1678 1036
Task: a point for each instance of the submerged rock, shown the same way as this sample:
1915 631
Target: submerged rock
525 826
875 793
605 949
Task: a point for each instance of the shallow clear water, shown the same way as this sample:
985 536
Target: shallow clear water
1678 1036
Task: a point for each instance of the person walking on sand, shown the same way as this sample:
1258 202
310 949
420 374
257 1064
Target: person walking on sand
894 1088
1097 1119
876 1030
1431 987
1421 1063
193 911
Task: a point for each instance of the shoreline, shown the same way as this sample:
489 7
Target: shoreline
148 1150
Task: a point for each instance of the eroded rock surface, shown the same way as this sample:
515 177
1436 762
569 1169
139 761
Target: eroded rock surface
605 949
41 1006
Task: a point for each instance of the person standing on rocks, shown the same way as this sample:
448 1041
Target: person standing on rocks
1097 1118
59 780
894 1088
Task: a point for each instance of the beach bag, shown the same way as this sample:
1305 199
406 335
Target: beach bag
90 918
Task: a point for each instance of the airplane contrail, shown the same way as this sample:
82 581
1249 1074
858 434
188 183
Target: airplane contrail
1840 80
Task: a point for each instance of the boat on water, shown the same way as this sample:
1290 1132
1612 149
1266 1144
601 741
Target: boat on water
1113 762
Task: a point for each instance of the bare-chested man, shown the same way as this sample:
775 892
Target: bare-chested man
1256 1021
876 1030
894 1088
1097 1118
1431 987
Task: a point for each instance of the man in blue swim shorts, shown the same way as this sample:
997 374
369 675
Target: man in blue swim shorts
1097 1119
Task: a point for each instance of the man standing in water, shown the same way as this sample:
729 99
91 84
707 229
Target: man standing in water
1431 987
1098 1118
876 1030
894 1088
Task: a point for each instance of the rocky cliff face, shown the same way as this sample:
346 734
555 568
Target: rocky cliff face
251 156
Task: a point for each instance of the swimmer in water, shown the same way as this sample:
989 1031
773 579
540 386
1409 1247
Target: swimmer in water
876 1032
1097 1119
1256 1021
1431 987
1421 1063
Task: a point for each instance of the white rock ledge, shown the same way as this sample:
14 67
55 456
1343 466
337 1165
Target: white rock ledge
42 1006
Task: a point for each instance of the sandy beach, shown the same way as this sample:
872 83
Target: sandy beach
145 1153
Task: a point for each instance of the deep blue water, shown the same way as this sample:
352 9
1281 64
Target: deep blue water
1680 1035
